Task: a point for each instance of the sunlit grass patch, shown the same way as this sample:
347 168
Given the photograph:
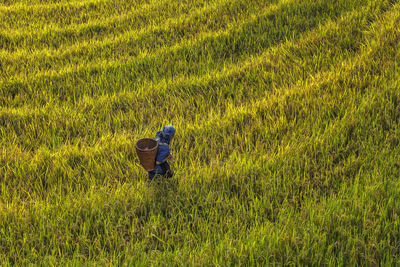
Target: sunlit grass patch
287 144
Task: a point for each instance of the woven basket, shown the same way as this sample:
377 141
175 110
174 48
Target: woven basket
146 150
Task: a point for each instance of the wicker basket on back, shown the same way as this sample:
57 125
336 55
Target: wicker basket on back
146 150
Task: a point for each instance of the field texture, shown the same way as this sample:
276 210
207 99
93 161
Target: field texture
288 138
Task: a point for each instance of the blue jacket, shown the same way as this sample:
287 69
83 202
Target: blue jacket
163 152
163 138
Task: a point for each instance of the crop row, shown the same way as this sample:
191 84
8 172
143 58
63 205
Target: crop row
286 155
33 18
217 193
235 84
57 38
19 3
42 6
194 59
326 97
133 43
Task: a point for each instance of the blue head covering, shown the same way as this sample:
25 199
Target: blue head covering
165 135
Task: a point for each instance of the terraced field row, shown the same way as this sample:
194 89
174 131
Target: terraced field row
287 115
53 127
331 41
27 18
57 38
179 59
180 31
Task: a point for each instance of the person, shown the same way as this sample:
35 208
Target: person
162 167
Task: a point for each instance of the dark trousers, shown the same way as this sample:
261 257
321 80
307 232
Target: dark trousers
163 170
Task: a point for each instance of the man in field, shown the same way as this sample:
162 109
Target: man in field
164 138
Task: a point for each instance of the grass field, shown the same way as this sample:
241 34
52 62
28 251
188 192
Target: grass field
287 148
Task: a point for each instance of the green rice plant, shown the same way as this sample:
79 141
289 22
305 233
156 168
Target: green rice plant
34 17
146 68
110 105
131 43
56 37
287 145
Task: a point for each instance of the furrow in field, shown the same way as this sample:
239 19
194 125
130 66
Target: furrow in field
246 130
57 38
214 18
319 50
27 19
194 59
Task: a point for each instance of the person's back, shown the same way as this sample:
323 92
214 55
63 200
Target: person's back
163 138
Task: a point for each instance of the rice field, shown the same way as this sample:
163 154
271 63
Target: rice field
287 150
